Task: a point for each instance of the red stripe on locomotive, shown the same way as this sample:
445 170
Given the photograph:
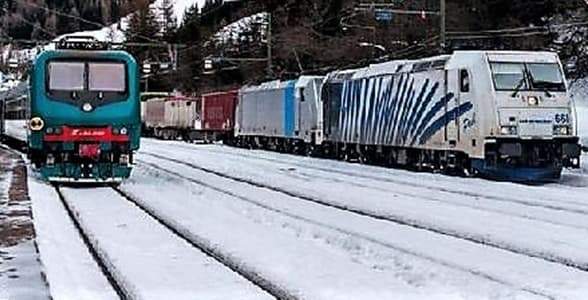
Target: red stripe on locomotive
76 134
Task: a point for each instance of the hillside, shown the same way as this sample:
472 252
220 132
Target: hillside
42 19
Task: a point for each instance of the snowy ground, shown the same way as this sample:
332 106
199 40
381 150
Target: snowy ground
306 228
16 129
523 237
20 270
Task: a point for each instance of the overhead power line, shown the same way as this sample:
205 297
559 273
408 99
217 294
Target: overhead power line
99 25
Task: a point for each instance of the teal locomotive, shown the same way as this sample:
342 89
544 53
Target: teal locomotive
85 121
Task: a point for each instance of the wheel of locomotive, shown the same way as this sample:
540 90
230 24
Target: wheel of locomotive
309 150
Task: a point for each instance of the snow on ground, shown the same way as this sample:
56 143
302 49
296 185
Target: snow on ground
20 270
314 252
19 275
69 268
527 225
147 259
16 129
544 234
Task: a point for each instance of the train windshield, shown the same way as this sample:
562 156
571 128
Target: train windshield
546 76
106 77
527 76
509 76
66 76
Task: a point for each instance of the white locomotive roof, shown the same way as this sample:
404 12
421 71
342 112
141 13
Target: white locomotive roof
268 85
278 84
447 61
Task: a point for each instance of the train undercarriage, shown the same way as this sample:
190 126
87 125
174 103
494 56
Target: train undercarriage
88 161
511 160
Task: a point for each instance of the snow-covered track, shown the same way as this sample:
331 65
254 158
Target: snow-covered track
145 260
573 207
392 217
263 283
104 266
477 260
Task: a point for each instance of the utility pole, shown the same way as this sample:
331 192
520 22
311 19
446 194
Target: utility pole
443 28
269 43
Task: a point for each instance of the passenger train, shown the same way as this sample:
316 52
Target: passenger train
84 112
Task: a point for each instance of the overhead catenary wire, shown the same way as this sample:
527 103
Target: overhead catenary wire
99 25
51 34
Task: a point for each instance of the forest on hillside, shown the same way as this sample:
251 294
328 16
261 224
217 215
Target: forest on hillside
37 20
307 36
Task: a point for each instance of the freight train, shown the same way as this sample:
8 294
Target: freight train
209 118
84 112
500 114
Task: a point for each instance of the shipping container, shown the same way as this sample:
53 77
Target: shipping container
171 117
218 111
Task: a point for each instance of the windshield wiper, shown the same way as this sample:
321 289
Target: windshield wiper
518 87
544 86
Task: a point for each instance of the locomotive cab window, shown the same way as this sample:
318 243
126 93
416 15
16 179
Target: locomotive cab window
98 82
66 76
528 77
509 76
107 77
546 76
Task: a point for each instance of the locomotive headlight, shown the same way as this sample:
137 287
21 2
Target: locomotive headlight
87 107
36 124
49 130
124 131
533 101
561 130
508 130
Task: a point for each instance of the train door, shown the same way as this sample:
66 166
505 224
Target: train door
300 112
457 87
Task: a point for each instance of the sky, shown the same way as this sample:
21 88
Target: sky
180 7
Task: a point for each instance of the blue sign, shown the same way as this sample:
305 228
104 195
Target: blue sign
383 15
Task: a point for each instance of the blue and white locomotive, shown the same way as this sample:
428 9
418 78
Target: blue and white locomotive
506 115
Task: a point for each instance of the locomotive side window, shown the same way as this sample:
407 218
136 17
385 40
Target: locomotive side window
107 77
464 79
66 76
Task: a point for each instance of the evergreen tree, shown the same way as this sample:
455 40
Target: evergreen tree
169 23
190 58
143 28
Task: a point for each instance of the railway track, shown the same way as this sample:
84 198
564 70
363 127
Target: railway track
436 189
125 287
388 217
472 271
224 258
105 267
120 285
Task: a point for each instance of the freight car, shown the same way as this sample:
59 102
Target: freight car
85 112
173 117
501 114
218 116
